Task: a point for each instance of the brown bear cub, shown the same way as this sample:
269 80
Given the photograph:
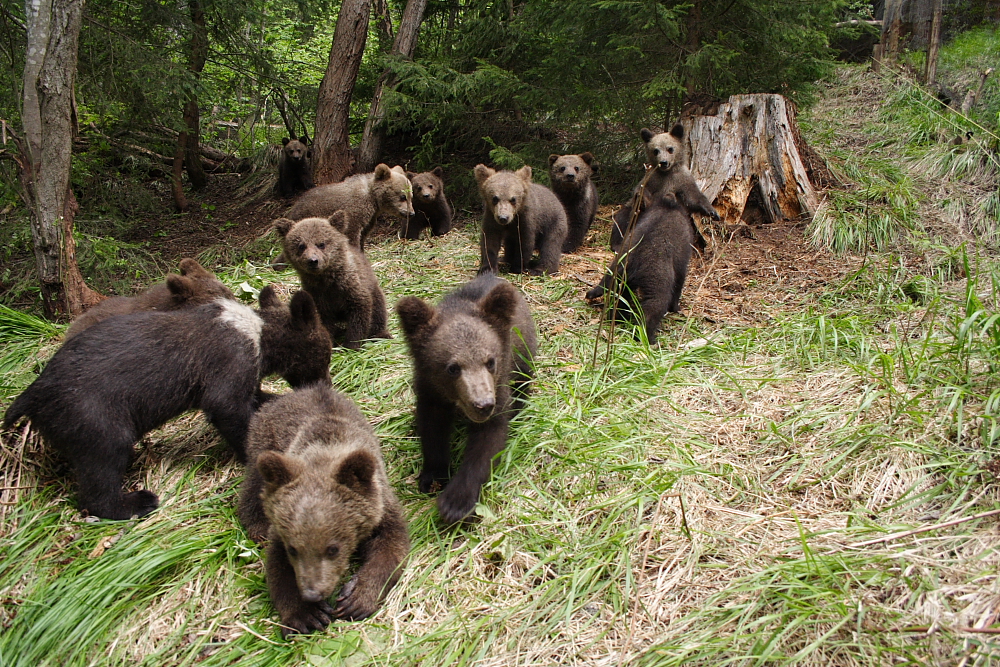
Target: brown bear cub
364 196
649 271
474 353
316 489
337 274
127 375
294 173
430 206
193 287
570 176
667 151
524 216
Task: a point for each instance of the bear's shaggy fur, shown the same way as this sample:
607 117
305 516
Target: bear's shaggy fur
194 286
127 375
672 176
337 274
430 206
294 173
570 176
316 489
524 216
474 353
649 271
364 196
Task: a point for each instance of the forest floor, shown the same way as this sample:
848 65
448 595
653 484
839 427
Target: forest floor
738 494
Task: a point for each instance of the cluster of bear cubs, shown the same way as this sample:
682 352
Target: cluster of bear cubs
316 489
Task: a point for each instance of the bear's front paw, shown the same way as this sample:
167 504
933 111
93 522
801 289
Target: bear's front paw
595 293
431 482
141 503
356 602
715 216
307 617
535 272
456 503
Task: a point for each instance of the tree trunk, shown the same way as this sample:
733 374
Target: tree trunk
383 19
192 116
935 43
49 117
332 160
403 46
747 152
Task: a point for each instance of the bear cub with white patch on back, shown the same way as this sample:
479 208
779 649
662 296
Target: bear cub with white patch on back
125 376
523 216
337 274
294 172
316 489
472 357
570 177
430 205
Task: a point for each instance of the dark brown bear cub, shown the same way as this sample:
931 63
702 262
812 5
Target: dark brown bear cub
430 206
294 173
337 274
652 264
316 489
193 287
473 352
570 176
125 376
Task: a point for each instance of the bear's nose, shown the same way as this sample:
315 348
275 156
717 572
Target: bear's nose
311 595
312 262
570 177
484 404
664 163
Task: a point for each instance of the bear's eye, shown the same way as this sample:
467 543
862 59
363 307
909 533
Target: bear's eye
496 200
454 370
302 247
513 200
402 197
332 551
562 169
656 151
491 364
292 552
321 246
670 150
576 169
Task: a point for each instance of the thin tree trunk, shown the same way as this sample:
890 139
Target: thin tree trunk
693 40
332 160
403 46
192 116
383 19
177 174
49 117
934 44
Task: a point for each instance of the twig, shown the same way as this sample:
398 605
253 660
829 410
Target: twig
925 529
926 629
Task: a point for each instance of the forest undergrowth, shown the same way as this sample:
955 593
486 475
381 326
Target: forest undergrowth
791 476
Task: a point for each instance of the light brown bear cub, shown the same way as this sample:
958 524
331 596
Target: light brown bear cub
570 176
471 355
316 489
364 196
522 215
667 152
337 275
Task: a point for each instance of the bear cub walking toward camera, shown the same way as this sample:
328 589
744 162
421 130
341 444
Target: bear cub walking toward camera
316 489
472 353
524 216
649 271
430 205
337 274
294 173
193 287
570 176
123 377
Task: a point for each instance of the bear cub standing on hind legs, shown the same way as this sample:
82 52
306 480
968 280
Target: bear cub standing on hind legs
294 173
672 176
316 488
125 376
570 176
474 353
430 205
652 263
337 274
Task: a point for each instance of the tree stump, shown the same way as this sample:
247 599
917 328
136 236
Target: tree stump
749 151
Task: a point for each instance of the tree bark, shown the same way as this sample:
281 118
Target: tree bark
197 56
49 116
935 43
332 160
748 150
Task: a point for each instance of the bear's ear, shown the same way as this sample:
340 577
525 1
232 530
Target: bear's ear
677 131
284 141
438 171
303 310
524 173
498 306
304 139
278 469
483 173
283 226
587 157
382 172
414 314
553 158
646 135
181 288
357 472
190 267
399 170
268 298
411 175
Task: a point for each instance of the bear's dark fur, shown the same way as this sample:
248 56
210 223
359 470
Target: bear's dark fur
364 197
672 176
430 206
650 268
127 375
473 352
570 176
338 275
194 286
316 489
524 216
294 173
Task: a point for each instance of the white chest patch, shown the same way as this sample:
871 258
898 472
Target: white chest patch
243 319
